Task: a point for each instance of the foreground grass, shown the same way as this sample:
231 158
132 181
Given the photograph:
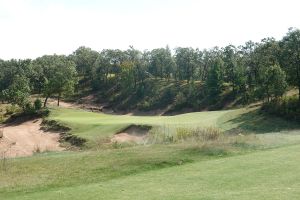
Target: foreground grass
54 170
272 174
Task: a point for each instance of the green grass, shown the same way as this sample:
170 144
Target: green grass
272 174
261 164
253 121
55 170
91 125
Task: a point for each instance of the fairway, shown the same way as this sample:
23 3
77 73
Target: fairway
272 174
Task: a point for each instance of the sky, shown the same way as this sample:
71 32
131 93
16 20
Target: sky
32 28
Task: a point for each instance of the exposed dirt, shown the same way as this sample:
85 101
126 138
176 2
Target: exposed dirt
89 103
26 139
53 102
85 103
135 134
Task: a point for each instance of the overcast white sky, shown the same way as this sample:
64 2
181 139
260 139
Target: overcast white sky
32 28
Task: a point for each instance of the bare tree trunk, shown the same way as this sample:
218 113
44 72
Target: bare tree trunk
298 77
45 102
58 99
299 94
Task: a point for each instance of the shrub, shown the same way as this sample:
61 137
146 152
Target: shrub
29 109
37 104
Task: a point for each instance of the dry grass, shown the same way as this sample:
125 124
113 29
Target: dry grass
210 141
171 134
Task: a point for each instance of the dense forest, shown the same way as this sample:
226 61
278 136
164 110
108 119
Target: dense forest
183 77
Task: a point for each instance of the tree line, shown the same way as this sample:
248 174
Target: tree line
253 71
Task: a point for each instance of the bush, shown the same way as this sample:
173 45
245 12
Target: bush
29 108
37 104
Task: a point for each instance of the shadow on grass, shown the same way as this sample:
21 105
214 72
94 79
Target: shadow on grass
256 121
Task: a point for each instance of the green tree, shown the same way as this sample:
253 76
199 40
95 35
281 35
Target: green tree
161 63
248 60
108 63
230 58
60 76
214 80
275 83
127 76
18 92
84 58
186 63
290 58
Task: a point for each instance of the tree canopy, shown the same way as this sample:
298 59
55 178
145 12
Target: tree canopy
252 71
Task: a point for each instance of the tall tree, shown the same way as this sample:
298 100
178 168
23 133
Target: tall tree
186 63
84 58
59 76
290 59
161 63
214 80
18 92
230 59
275 82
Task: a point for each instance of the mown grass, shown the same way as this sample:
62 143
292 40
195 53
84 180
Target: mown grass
272 174
54 170
91 125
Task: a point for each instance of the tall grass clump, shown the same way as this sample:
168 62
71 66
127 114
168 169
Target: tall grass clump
205 140
167 134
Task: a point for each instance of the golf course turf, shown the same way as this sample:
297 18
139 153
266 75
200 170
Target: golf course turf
269 170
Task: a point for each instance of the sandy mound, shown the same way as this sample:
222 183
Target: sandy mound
136 134
27 138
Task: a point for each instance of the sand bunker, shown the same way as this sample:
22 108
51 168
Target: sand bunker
27 138
134 133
